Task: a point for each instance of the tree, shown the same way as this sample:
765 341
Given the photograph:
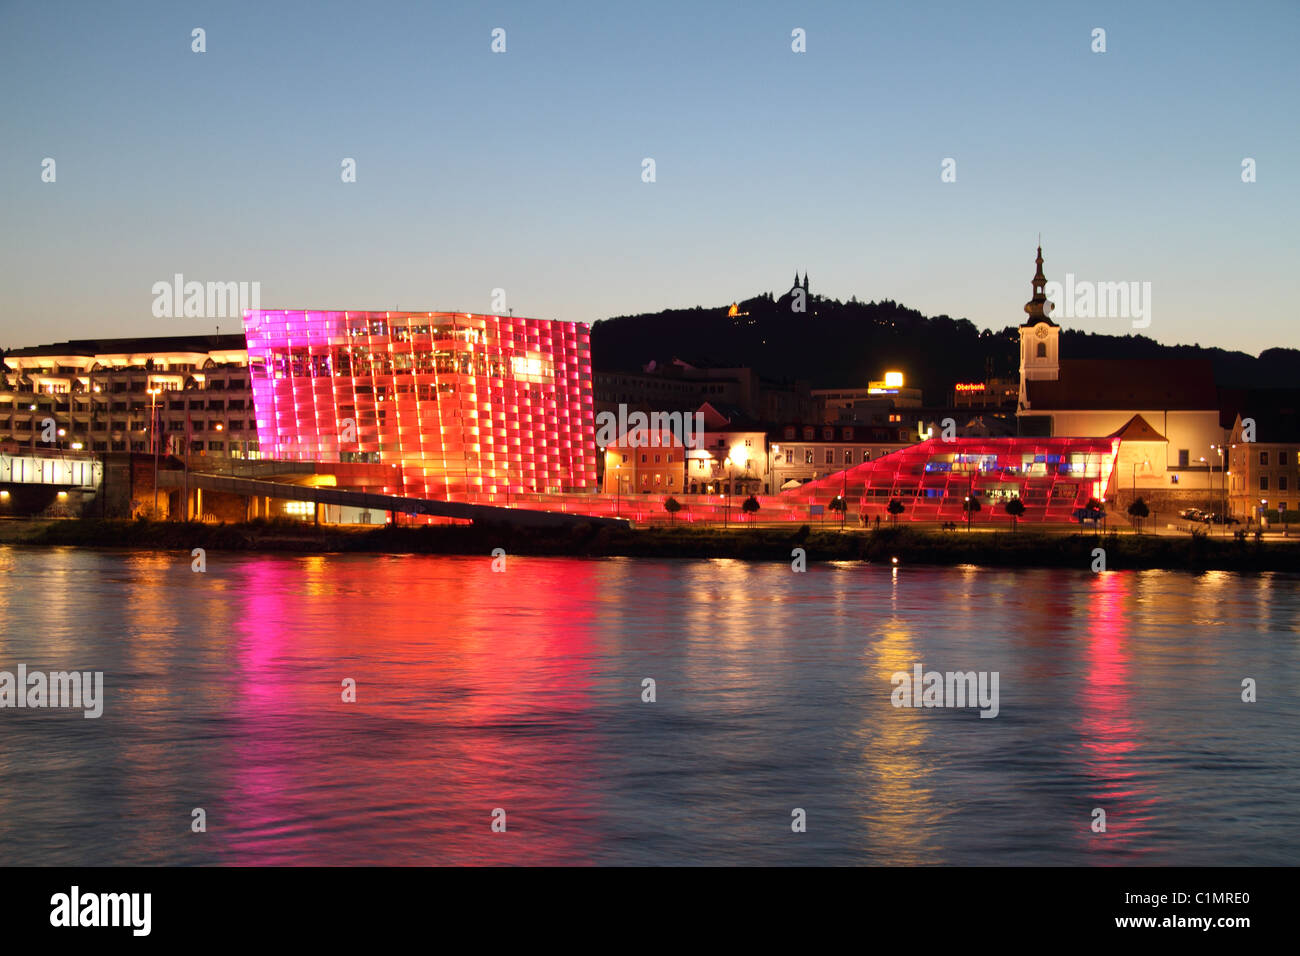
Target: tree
1138 510
1015 507
895 508
672 506
839 504
971 506
750 506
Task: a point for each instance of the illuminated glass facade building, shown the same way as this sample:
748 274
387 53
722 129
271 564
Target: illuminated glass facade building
460 405
932 479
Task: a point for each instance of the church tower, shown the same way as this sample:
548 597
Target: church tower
1039 338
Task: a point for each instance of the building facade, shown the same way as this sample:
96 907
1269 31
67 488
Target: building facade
176 394
1264 466
800 453
458 404
1082 397
644 462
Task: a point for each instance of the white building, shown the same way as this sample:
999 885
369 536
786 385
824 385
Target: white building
1175 399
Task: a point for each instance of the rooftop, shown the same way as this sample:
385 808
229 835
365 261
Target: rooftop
1097 384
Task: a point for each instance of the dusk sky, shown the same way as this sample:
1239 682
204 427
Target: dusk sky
523 170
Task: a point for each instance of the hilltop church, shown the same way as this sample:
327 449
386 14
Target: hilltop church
1166 411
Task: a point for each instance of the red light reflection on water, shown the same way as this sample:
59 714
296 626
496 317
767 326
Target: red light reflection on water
1110 730
465 702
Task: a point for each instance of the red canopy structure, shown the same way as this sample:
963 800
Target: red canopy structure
933 479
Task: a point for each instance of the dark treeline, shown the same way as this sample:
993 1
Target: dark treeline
845 344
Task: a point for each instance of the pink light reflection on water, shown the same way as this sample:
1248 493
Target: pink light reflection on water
1110 730
503 688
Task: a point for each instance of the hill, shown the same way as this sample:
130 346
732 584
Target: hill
845 344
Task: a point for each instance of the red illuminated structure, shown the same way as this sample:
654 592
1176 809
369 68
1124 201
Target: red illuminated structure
934 479
458 404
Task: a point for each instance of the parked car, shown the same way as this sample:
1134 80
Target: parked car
1192 514
1215 518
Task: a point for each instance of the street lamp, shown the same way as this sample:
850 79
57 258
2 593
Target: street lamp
1223 483
739 457
970 493
153 433
726 498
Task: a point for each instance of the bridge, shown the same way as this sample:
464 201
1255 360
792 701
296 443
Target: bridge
253 488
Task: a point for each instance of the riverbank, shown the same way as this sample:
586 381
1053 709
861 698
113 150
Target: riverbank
1025 548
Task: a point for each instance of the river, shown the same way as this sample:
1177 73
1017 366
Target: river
521 691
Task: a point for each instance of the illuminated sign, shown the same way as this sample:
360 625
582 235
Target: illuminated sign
970 386
893 380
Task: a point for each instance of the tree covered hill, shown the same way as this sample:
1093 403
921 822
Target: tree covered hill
846 344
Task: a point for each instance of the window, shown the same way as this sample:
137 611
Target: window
1042 350
657 457
1281 483
848 434
670 458
1263 458
644 458
866 454
830 456
1263 482
848 456
625 459
1281 458
808 457
1184 456
789 456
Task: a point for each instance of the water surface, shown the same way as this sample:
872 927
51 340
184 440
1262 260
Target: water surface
522 691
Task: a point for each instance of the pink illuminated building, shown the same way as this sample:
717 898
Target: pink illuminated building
458 404
933 479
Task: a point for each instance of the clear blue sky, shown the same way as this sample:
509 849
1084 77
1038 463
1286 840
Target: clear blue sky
523 170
